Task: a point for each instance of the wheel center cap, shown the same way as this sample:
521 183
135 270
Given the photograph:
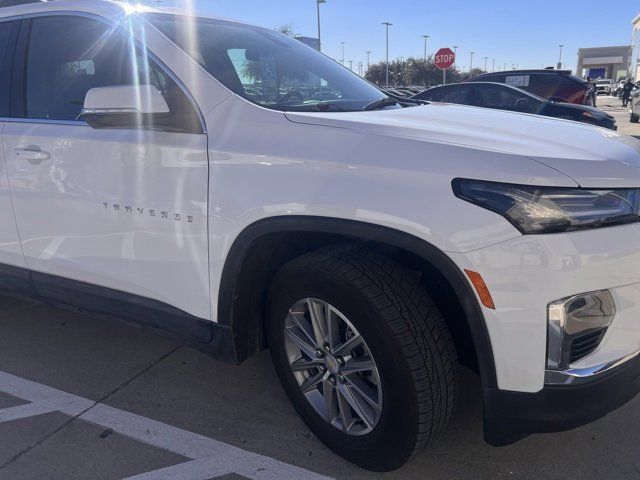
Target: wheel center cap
332 364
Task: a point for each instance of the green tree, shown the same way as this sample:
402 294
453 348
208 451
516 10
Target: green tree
288 29
412 72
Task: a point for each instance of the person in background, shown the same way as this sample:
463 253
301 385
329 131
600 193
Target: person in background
626 92
592 93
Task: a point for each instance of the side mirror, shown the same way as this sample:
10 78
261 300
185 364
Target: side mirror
125 106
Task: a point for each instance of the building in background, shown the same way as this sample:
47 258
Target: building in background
604 62
309 41
634 66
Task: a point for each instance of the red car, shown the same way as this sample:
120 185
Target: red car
554 85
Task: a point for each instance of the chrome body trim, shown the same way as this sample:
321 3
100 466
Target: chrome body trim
77 123
574 376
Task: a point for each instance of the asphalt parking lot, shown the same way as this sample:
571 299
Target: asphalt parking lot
82 398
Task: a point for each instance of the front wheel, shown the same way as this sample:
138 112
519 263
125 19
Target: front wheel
363 354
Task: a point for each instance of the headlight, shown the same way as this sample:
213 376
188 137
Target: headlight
552 209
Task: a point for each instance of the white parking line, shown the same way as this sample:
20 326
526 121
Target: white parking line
210 458
25 411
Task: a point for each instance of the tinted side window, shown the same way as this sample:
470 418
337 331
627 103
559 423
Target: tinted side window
69 55
450 94
8 32
433 94
498 78
547 85
491 96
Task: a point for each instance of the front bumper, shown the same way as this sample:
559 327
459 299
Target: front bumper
510 416
527 273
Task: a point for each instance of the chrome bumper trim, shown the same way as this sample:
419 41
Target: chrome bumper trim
574 376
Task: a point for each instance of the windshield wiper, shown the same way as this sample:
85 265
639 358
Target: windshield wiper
317 107
382 103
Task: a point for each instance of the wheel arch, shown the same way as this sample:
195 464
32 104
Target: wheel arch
264 246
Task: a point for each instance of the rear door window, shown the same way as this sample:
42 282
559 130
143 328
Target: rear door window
520 81
494 77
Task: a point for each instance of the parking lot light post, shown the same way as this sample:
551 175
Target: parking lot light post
560 57
368 59
387 25
471 64
455 54
493 68
342 61
318 2
426 39
485 63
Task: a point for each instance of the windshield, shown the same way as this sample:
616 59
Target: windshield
267 67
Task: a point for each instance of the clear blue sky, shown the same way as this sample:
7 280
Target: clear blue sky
526 33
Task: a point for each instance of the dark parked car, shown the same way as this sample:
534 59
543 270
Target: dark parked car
557 85
505 97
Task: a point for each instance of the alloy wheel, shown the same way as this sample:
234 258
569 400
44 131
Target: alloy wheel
333 366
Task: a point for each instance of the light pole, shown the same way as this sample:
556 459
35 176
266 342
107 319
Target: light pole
318 2
368 59
485 63
493 68
342 61
455 54
471 64
351 65
560 58
387 25
426 39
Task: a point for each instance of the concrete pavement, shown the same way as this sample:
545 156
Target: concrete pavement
139 399
613 106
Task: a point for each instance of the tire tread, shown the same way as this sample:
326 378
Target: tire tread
415 321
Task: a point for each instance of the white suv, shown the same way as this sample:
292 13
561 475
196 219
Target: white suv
605 86
229 186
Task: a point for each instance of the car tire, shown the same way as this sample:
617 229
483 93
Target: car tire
401 328
634 118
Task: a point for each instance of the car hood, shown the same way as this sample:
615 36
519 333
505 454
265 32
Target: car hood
592 156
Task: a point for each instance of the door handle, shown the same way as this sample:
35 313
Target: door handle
33 155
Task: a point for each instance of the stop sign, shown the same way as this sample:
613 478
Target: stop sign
444 59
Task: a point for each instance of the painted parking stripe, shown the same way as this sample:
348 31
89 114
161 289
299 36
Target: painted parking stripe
193 470
25 411
209 458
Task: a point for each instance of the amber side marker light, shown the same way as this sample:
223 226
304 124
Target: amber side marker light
481 288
